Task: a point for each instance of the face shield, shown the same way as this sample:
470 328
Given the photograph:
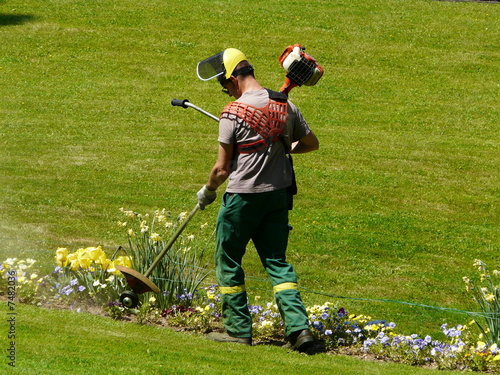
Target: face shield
220 65
213 67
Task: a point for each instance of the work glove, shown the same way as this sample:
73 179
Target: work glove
205 197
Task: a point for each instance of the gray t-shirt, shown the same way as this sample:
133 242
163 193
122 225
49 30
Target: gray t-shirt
267 169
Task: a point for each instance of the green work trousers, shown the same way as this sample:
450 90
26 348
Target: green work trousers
262 218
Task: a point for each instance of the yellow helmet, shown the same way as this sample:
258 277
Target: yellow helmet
220 65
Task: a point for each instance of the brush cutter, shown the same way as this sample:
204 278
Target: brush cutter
301 68
140 283
185 104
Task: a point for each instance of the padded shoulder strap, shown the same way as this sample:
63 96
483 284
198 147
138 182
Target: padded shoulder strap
276 95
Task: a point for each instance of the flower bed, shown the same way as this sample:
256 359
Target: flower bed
88 278
335 329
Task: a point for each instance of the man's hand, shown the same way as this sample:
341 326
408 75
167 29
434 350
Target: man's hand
205 197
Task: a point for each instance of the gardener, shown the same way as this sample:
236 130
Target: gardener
255 134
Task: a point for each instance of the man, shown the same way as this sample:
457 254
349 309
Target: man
255 134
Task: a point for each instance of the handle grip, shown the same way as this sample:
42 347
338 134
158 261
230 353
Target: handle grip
180 103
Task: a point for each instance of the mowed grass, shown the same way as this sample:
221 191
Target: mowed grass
401 198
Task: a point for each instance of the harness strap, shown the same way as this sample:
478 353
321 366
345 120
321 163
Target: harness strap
269 121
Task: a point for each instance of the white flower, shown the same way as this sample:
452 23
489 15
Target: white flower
10 261
155 237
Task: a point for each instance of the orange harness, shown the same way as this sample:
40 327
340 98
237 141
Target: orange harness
269 122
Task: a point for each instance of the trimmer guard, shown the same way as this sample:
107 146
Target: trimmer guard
137 281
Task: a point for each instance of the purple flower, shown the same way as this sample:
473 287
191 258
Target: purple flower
369 342
385 341
67 290
397 340
318 325
452 332
255 309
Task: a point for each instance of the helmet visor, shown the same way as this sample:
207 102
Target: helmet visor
211 67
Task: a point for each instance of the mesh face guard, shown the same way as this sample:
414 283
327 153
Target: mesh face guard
211 68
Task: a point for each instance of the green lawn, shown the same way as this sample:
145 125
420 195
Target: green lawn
79 343
401 198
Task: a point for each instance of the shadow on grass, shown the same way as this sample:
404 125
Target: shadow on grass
15 19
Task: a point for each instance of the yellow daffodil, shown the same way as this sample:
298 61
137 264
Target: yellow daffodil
128 213
155 237
489 297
